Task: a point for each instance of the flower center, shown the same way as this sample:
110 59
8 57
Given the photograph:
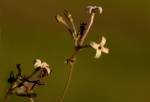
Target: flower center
99 47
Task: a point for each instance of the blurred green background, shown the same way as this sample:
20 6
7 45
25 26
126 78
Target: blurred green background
29 31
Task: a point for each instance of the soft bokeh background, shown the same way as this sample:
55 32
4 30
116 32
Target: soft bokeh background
29 31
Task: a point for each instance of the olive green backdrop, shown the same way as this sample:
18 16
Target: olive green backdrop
29 31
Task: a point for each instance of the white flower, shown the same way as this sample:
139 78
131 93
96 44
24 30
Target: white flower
44 65
94 9
100 47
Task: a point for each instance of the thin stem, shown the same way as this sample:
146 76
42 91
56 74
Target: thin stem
87 30
66 25
31 99
33 73
73 26
67 84
74 56
6 96
86 46
70 19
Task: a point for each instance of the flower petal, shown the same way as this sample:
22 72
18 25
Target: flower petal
37 63
100 10
89 9
46 66
105 50
98 54
94 45
103 41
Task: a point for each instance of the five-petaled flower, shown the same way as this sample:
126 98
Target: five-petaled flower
43 65
94 9
100 47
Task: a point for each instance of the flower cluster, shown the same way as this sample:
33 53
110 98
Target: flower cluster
22 85
79 38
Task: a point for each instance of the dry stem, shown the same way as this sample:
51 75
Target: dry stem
75 54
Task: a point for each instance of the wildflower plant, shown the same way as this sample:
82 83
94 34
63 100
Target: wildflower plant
79 37
24 85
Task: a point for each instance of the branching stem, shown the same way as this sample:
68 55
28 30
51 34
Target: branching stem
75 54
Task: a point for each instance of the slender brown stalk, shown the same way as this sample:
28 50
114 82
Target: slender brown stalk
74 56
69 17
67 84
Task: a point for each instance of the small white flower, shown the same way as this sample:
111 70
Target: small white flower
100 47
44 65
94 9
